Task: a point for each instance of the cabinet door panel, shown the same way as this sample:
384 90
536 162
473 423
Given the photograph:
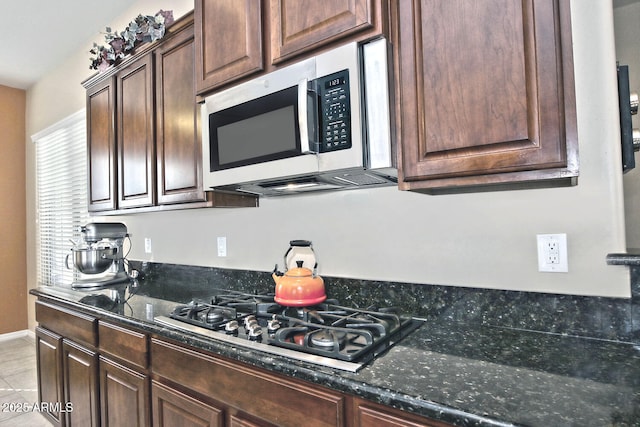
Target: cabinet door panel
172 408
101 146
228 38
48 348
79 366
136 153
299 26
178 135
480 97
124 396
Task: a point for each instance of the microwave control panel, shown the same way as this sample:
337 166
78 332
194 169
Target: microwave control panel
334 111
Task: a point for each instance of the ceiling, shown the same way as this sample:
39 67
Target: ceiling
36 36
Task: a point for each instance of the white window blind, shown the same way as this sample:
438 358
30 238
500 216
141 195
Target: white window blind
61 183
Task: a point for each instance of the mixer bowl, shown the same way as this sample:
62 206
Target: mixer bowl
92 261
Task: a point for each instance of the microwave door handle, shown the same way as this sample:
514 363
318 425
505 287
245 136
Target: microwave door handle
303 120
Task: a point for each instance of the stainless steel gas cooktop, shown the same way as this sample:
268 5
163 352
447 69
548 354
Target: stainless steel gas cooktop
327 334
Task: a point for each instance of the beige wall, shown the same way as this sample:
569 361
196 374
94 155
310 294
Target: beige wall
13 268
627 37
485 240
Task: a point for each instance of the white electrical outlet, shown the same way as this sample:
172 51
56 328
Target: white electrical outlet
147 245
552 253
222 246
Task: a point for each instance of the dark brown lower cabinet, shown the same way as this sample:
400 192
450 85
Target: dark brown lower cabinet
80 370
124 395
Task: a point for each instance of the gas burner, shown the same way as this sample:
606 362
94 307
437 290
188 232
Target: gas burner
327 339
205 315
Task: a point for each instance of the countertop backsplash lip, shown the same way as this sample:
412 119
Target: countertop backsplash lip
615 319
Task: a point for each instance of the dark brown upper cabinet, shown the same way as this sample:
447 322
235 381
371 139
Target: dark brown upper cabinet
485 94
136 135
101 149
178 136
228 41
300 26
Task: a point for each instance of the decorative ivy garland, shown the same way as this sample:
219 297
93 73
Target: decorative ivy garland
144 28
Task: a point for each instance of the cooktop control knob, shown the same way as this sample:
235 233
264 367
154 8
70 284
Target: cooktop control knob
231 328
250 320
273 325
255 333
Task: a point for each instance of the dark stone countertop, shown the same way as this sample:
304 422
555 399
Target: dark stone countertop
467 375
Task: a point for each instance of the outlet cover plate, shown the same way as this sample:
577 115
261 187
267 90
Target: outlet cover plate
552 253
222 246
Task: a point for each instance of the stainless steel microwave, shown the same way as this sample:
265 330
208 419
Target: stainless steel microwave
319 124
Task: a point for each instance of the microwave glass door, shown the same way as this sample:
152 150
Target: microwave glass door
256 131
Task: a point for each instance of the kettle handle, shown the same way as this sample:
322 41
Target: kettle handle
300 243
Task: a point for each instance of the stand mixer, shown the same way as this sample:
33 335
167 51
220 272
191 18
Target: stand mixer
99 259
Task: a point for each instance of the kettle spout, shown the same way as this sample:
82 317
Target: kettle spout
276 275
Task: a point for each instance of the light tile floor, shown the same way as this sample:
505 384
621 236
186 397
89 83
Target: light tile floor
18 385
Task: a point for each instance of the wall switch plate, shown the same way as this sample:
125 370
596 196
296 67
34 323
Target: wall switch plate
552 253
147 245
222 246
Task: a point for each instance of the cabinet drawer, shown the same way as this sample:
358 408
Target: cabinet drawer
123 343
66 322
275 399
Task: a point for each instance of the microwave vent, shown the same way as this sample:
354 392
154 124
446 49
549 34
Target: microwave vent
360 179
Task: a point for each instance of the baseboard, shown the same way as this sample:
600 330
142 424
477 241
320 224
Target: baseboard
18 334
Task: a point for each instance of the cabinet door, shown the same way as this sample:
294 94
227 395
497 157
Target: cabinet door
49 361
484 103
136 151
80 368
179 148
241 420
124 396
172 408
302 25
228 38
101 146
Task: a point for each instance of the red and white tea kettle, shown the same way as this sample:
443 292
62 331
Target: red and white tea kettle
299 285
